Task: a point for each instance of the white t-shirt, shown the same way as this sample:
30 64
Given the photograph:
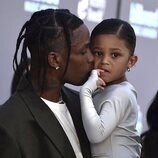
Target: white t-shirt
62 114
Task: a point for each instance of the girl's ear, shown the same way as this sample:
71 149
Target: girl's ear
132 60
53 60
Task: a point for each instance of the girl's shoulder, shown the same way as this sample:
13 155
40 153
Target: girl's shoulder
123 88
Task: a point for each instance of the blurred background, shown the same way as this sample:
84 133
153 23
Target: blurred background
141 14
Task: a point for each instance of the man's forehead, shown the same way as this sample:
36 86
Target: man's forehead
79 37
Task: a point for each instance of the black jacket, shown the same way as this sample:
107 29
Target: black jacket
29 129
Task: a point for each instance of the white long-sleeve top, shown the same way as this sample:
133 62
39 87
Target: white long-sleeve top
110 119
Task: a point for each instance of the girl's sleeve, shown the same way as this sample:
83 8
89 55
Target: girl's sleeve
98 126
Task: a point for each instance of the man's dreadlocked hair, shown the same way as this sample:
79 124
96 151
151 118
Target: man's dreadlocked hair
47 30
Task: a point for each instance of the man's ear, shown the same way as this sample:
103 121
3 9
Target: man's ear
53 59
132 60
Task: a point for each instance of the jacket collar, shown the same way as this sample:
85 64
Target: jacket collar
45 119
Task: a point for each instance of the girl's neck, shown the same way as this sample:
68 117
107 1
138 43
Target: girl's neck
122 79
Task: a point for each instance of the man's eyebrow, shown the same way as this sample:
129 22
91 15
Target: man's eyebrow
83 45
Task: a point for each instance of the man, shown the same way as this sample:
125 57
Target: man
42 118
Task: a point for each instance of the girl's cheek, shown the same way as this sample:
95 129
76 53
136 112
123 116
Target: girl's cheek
96 64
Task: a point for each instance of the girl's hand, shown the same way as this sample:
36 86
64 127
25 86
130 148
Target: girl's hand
100 83
94 82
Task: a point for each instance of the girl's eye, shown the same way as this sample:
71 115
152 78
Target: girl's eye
115 55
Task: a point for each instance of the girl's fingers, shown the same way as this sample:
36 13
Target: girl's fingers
101 84
99 71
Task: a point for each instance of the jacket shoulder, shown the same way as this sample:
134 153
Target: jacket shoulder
70 91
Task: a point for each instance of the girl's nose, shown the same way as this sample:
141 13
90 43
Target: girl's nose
105 61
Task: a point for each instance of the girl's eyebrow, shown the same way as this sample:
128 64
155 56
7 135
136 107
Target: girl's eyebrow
115 49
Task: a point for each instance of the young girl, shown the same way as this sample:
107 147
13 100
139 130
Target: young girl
110 118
